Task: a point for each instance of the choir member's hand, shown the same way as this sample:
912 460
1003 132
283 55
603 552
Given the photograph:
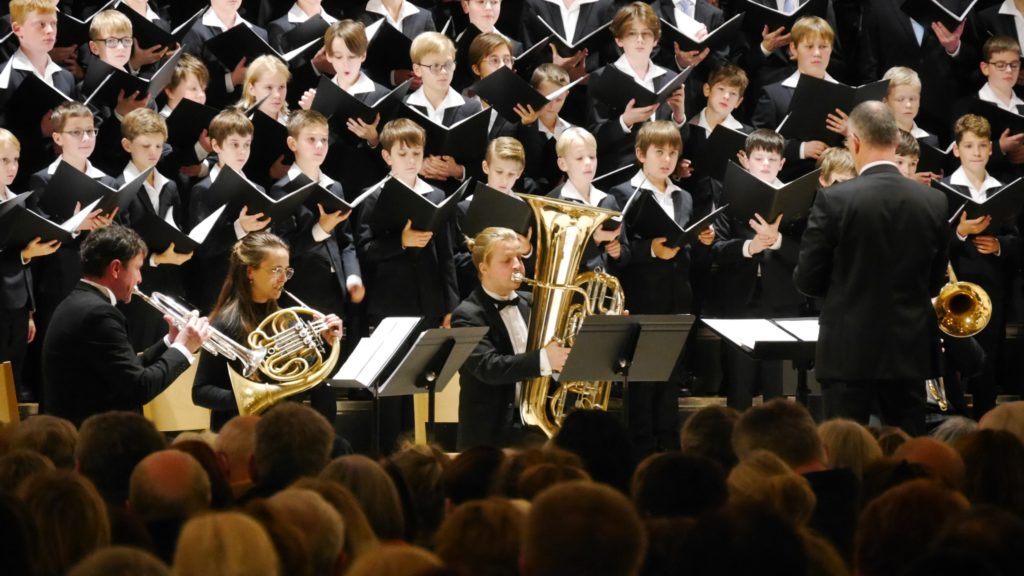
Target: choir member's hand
365 131
527 115
446 322
661 251
238 74
601 235
204 141
556 355
525 242
252 222
434 168
684 170
332 331
768 232
415 238
322 64
814 148
90 223
192 335
968 226
98 219
634 114
191 170
37 249
575 65
279 169
949 40
330 220
31 329
306 100
128 102
1012 146
64 55
171 257
837 122
707 237
453 169
356 293
986 244
677 102
927 177
690 57
146 56
774 39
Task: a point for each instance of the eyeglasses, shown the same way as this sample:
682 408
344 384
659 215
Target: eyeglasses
486 3
639 34
447 67
1003 66
494 61
287 272
112 43
78 134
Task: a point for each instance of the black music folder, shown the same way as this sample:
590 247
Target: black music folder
388 50
747 194
241 42
464 140
338 105
758 15
592 41
935 160
645 217
236 191
187 122
710 154
159 234
616 88
399 203
325 197
532 57
71 31
717 39
147 34
999 119
503 89
30 101
11 203
310 30
814 99
927 11
613 178
20 226
104 83
269 143
491 207
1004 204
69 186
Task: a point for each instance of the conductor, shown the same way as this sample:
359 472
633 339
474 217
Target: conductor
876 250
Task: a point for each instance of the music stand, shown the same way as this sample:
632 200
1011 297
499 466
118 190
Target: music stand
644 348
430 364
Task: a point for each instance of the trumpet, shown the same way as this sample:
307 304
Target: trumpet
217 344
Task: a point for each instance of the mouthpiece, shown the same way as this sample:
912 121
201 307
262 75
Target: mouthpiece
518 277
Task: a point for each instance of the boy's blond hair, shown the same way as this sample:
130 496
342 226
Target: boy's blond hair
973 124
229 122
640 13
550 73
902 76
506 148
351 33
836 160
110 24
730 75
20 9
143 121
66 111
7 138
571 136
428 43
302 119
659 133
810 27
402 131
997 44
189 64
260 67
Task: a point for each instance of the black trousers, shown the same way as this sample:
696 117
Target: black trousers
653 417
897 402
14 340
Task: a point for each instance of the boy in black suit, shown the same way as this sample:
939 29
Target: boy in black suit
1000 65
401 15
187 165
836 165
540 134
487 407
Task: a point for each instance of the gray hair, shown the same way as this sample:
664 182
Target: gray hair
875 125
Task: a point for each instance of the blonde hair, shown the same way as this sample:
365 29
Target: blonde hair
762 477
110 24
258 68
189 64
848 445
428 43
550 73
836 160
637 12
506 148
659 133
810 27
902 76
972 124
66 111
352 33
143 121
487 241
21 9
730 75
572 136
228 122
7 138
225 543
402 131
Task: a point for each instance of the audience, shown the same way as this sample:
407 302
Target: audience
374 490
994 464
481 537
109 447
292 441
227 544
708 433
421 469
955 427
359 536
1008 416
600 439
671 485
471 475
234 448
396 560
50 436
849 445
18 465
221 497
763 479
166 489
120 561
321 525
940 459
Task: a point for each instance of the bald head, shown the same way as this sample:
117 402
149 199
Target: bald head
936 456
318 520
234 447
169 484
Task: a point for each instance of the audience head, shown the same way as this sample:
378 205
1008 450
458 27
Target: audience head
602 442
888 472
744 540
762 478
954 428
396 560
783 428
987 533
234 448
374 490
169 484
227 544
359 536
290 542
471 475
111 444
292 441
937 457
994 464
708 433
18 545
320 524
516 463
19 465
1008 416
848 445
890 438
50 436
582 528
482 537
120 561
673 484
539 477
221 496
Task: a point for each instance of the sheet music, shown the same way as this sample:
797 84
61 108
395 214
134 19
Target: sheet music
806 329
749 331
373 353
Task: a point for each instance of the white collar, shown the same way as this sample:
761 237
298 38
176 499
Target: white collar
988 95
729 122
214 171
575 5
407 9
5 193
653 72
362 85
131 172
90 170
451 100
639 179
211 19
876 163
570 192
294 172
917 132
297 16
420 188
511 297
166 111
20 61
103 290
792 81
561 125
959 178
1010 9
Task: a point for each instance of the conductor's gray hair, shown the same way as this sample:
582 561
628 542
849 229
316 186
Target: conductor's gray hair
875 125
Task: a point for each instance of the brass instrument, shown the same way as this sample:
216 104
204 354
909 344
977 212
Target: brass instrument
562 298
963 308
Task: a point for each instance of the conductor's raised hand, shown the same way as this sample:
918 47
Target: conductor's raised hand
557 355
415 238
968 226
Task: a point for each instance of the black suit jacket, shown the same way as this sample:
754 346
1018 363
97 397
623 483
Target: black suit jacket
772 108
711 17
591 16
15 280
88 365
876 249
412 26
194 42
487 378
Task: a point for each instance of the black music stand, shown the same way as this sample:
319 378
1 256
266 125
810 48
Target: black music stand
643 348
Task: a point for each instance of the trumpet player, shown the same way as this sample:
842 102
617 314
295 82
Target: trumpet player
89 365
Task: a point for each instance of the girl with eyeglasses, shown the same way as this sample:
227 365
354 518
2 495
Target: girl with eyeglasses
257 272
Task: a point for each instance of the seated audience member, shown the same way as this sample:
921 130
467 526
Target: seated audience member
359 536
234 447
221 497
539 477
374 490
321 525
167 488
292 441
120 561
70 519
482 537
422 468
955 427
708 433
396 560
994 465
1008 416
672 485
582 528
888 472
50 436
470 475
110 445
938 458
18 465
848 444
511 473
288 540
665 552
763 479
602 442
17 547
744 539
225 543
899 526
890 438
987 533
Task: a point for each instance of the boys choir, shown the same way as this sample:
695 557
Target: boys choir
249 97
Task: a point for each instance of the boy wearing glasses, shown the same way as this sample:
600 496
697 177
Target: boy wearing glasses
1000 64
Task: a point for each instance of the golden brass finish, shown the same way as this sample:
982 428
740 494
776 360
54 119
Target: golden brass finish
963 308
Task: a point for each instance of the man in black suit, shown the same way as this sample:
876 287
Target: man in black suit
487 408
89 366
876 249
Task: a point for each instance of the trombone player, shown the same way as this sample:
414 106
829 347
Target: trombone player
89 366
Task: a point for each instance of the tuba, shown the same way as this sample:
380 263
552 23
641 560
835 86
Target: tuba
963 308
562 298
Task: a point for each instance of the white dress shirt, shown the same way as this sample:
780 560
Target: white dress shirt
570 16
407 9
570 192
988 95
959 178
560 126
728 122
20 61
451 100
517 330
297 16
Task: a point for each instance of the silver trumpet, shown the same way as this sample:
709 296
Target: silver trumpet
217 344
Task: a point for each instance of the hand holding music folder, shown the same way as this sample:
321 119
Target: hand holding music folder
712 153
646 218
927 11
19 226
326 198
148 35
398 204
747 195
105 84
503 89
758 15
339 106
814 99
159 234
464 140
616 88
491 207
236 191
717 39
593 41
388 50
1004 205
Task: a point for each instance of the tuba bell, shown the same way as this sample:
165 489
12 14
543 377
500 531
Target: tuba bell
562 298
963 308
